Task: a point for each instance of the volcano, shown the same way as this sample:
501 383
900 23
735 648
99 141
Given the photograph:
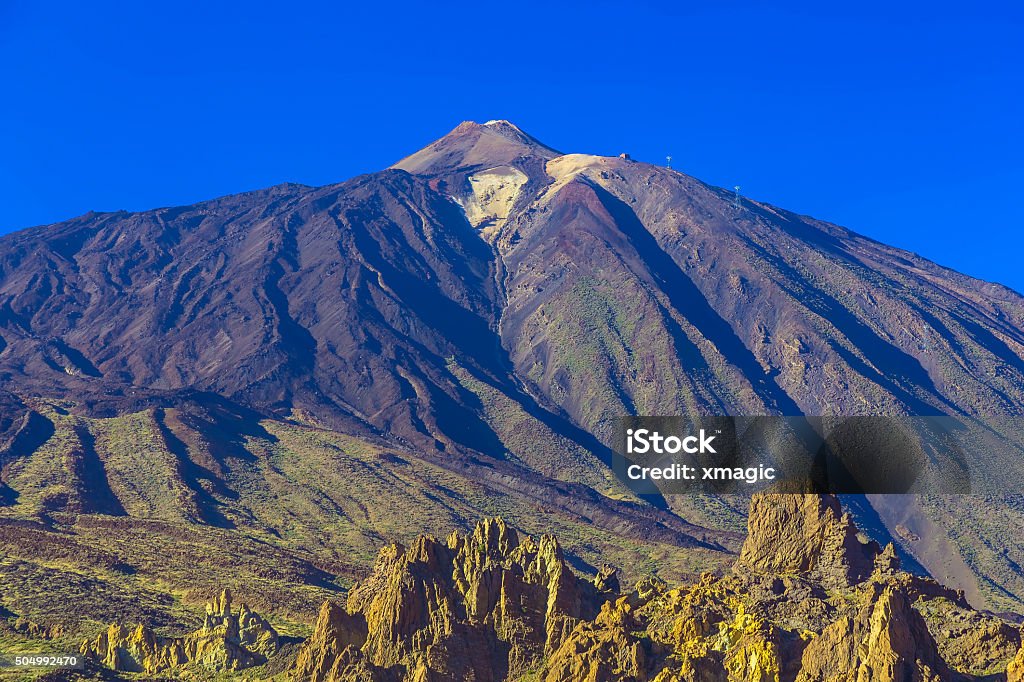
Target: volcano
288 377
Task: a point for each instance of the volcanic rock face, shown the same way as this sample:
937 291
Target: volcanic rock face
824 607
332 652
886 641
227 641
1015 671
803 533
816 609
483 606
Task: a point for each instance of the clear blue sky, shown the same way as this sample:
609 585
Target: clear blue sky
903 122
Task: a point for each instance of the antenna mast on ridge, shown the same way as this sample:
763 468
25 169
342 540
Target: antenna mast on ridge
668 162
736 197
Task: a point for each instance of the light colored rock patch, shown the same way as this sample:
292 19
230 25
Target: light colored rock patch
494 193
564 168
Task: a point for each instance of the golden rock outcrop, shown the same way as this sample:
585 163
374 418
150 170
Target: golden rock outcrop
227 641
886 641
483 606
808 601
1015 669
332 652
805 533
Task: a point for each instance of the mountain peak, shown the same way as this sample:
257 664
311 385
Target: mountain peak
476 145
507 128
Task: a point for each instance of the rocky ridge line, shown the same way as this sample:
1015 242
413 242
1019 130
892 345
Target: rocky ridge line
808 600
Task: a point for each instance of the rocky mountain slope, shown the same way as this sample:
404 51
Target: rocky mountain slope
375 304
273 384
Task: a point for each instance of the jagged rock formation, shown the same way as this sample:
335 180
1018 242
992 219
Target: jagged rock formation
481 606
808 601
332 652
227 641
34 630
797 533
705 632
1015 670
886 641
602 650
